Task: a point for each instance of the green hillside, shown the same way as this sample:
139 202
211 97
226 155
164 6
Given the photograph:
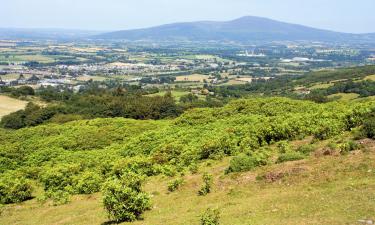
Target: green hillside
66 164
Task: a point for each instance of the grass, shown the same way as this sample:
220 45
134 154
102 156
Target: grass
176 94
371 77
9 105
321 190
322 86
345 96
25 58
192 78
94 78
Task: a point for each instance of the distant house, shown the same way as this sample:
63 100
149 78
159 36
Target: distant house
21 79
2 83
33 80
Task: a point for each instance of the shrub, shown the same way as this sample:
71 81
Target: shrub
348 147
283 147
123 198
207 183
58 197
244 162
60 178
210 217
175 184
87 183
14 189
306 149
369 127
290 156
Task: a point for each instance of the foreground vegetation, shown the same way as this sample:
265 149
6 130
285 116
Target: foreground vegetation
54 162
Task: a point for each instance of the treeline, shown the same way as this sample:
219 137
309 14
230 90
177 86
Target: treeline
363 88
94 102
334 75
79 106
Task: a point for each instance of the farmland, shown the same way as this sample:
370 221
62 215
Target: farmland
9 105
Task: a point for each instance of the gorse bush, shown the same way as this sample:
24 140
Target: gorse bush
290 156
14 188
87 183
369 125
306 149
210 217
175 184
124 199
246 162
207 184
348 146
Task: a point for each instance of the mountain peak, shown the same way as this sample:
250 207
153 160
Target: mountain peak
243 29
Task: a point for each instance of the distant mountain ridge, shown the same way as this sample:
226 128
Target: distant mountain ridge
37 34
244 29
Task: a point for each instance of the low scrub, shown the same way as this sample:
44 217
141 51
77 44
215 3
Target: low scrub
207 184
175 184
124 199
210 217
14 188
290 156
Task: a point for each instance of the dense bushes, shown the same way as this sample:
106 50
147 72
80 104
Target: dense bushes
124 199
75 157
14 188
369 125
94 106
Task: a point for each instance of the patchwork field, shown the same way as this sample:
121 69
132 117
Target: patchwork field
192 78
9 105
371 77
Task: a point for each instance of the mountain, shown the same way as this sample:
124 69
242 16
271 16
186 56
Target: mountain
242 30
52 34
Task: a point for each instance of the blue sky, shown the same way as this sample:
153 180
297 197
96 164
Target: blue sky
340 15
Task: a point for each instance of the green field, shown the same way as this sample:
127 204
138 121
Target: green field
26 58
344 96
176 94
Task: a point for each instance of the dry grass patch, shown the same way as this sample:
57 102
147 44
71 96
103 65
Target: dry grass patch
9 105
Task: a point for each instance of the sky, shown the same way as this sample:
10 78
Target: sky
354 16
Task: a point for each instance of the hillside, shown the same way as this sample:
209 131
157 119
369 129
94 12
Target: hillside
243 30
245 145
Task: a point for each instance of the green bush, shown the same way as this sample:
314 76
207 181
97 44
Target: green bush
369 127
124 200
14 189
87 183
290 156
348 146
58 197
210 217
60 178
207 183
175 184
284 146
306 149
246 162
